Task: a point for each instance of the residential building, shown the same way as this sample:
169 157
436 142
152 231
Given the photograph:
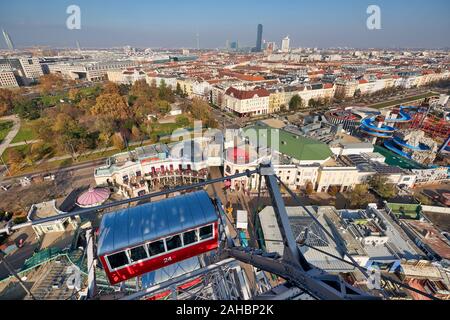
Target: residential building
247 103
128 76
31 67
8 79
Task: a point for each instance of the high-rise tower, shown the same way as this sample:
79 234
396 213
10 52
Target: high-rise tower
285 44
259 38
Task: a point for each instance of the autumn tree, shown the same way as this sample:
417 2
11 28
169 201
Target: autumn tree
309 188
382 186
111 88
6 101
74 95
141 89
118 141
334 190
360 196
51 82
43 129
71 136
136 133
142 107
39 149
15 159
111 105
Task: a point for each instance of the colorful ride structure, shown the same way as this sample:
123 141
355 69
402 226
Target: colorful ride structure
411 144
380 129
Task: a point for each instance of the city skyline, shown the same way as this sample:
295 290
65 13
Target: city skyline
328 24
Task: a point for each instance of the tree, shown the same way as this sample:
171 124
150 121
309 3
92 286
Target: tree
27 109
15 159
111 105
165 92
136 133
141 89
309 188
51 82
142 107
312 103
360 197
118 141
14 156
381 185
86 104
111 88
182 121
74 95
333 191
295 103
179 92
6 101
43 129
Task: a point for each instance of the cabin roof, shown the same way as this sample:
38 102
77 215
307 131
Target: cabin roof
133 226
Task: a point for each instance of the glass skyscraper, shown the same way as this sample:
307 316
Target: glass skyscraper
259 38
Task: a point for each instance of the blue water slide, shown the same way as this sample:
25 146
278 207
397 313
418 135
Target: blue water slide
368 126
389 144
403 144
375 133
403 115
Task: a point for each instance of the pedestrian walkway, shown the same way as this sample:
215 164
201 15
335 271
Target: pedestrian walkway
11 134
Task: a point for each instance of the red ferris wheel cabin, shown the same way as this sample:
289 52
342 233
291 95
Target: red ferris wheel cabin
141 239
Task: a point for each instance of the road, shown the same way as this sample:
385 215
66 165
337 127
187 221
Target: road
90 164
11 134
18 257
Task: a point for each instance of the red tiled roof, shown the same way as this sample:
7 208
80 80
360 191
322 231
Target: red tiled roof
243 95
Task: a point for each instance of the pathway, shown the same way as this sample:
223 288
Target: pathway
11 134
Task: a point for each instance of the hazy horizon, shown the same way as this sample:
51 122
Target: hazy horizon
107 24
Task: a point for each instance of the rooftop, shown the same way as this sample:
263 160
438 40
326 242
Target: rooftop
300 221
295 146
136 225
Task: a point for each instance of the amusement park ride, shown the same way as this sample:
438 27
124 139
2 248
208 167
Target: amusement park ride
137 240
386 128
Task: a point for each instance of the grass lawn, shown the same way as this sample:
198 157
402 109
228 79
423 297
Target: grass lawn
22 149
401 101
5 126
25 132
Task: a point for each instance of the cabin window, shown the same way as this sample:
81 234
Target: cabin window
190 237
156 248
138 253
206 232
118 260
173 242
